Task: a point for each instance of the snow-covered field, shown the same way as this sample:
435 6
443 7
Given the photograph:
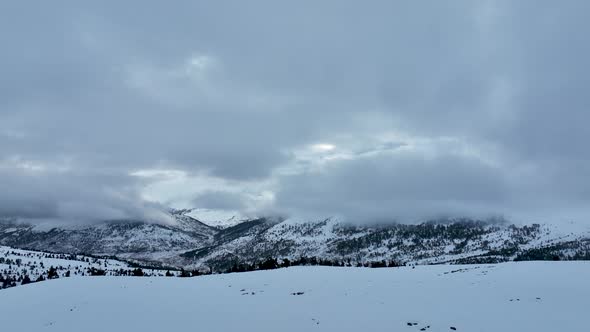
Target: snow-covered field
525 296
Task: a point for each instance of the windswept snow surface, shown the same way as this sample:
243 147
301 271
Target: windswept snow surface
524 296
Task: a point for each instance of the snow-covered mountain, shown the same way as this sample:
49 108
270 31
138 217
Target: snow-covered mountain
450 241
216 218
191 244
134 240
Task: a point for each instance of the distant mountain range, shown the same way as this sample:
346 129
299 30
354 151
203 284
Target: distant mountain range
191 243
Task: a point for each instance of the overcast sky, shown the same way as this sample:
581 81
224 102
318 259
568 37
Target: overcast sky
372 110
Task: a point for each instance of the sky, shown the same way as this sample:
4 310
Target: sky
389 110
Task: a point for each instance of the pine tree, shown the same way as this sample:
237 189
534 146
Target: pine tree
184 274
52 273
26 280
138 272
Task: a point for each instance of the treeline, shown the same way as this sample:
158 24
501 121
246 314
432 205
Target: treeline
274 263
12 278
568 251
267 264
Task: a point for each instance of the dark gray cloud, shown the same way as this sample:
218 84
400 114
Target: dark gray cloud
398 186
73 197
241 90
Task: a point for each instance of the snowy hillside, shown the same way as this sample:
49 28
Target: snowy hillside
191 244
217 218
132 240
457 241
505 297
25 266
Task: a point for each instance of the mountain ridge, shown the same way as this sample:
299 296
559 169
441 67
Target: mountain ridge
190 243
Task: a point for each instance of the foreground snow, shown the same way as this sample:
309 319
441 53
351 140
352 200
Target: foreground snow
535 296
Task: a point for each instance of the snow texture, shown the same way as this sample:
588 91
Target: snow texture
524 296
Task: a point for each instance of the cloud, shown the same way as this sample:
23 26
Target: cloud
461 107
220 200
404 185
42 194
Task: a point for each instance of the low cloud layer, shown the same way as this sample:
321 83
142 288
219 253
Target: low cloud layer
388 110
398 186
45 195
